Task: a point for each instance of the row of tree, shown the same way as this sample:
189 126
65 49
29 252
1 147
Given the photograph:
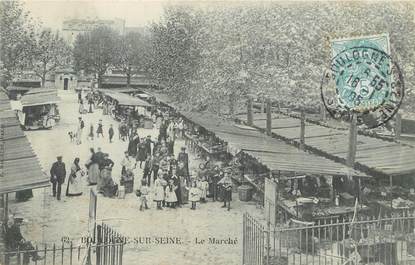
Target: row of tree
212 57
97 51
24 44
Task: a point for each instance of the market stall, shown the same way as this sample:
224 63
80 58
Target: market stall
125 107
37 109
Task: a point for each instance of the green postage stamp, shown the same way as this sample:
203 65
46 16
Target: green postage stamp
363 80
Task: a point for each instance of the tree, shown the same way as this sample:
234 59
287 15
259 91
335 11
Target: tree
95 51
175 54
131 51
50 52
16 38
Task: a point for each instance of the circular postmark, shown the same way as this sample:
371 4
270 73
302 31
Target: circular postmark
363 81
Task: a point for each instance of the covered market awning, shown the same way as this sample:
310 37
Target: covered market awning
40 97
272 153
386 157
19 166
126 100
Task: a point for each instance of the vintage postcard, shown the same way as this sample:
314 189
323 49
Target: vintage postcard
207 132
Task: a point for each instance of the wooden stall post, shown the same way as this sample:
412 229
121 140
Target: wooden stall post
352 142
263 105
268 116
302 130
322 112
6 208
250 118
398 126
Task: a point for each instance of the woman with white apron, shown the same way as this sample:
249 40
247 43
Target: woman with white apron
74 187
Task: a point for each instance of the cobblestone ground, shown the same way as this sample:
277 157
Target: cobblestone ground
48 220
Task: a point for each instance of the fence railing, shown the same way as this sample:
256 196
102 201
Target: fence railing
382 240
106 248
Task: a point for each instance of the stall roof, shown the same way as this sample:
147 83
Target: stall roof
19 166
126 100
386 157
40 97
273 153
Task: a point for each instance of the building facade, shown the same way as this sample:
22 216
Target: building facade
71 28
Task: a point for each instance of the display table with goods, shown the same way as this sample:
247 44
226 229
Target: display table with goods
321 206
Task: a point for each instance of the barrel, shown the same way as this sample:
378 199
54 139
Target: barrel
245 193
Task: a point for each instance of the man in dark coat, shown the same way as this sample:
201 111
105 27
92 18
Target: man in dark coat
163 131
148 145
132 146
184 158
99 158
57 177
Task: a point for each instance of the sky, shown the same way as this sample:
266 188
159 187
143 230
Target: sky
135 12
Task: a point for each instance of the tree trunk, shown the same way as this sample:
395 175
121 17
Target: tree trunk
232 105
99 81
43 80
128 77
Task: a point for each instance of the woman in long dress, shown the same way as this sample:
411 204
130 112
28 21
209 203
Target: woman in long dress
74 181
105 181
93 168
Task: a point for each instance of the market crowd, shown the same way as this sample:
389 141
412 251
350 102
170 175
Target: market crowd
166 178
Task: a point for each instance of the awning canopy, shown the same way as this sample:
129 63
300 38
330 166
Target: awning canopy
127 100
40 97
385 157
272 153
19 166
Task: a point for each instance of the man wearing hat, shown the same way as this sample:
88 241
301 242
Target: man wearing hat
57 177
184 158
148 142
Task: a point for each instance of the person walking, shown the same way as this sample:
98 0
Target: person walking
111 133
100 130
73 187
79 130
57 177
91 133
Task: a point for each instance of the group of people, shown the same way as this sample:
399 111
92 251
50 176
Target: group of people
99 168
58 176
87 100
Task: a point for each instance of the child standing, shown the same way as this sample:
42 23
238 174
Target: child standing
203 185
194 195
159 184
144 190
171 197
100 130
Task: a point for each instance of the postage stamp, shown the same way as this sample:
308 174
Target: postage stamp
364 81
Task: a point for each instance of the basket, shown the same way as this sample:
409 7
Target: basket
245 193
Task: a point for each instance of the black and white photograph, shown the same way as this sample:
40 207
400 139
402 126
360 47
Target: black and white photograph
168 132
